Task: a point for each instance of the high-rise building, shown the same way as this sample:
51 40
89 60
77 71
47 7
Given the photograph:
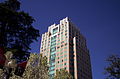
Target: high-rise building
66 48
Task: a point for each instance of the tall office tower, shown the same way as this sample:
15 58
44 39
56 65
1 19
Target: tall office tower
66 48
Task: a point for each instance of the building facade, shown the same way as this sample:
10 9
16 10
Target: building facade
65 47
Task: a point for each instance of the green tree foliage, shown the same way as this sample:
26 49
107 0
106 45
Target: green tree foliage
1 73
37 68
62 74
16 30
113 68
9 64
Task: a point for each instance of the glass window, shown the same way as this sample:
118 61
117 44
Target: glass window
52 56
58 54
65 55
54 37
61 56
61 53
58 43
62 38
61 45
65 51
65 68
61 65
55 30
61 35
65 44
58 47
65 48
52 53
53 49
57 50
61 49
62 42
65 59
52 72
53 43
65 34
53 40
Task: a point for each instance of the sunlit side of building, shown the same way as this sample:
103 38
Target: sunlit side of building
65 47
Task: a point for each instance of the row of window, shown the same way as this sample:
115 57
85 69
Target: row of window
60 65
61 56
60 50
52 54
62 45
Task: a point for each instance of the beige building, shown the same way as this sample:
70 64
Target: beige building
66 48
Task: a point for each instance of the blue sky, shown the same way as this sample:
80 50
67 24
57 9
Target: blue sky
98 20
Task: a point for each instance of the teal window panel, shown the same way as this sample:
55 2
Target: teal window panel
61 53
53 43
62 38
65 55
57 50
65 48
58 54
61 56
52 52
54 37
53 49
51 68
52 61
52 56
62 35
55 30
52 46
53 64
65 51
65 59
61 65
61 49
52 72
58 43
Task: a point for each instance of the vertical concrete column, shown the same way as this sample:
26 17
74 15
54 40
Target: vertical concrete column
75 58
